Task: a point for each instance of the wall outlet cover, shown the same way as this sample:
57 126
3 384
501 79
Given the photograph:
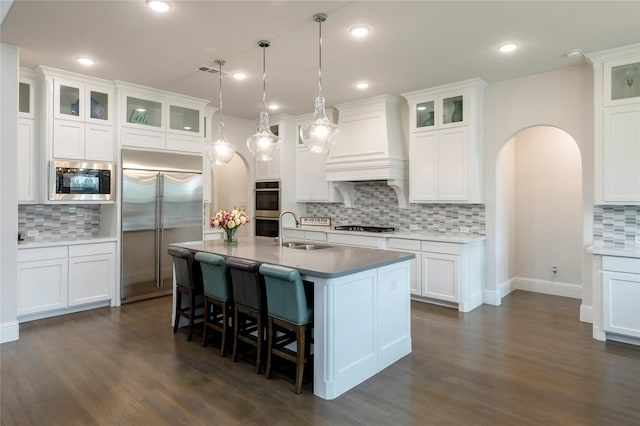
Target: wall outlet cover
32 233
415 227
464 229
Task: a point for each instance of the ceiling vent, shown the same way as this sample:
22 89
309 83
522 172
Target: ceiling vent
207 68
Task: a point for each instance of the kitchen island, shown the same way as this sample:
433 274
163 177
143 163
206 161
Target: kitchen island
362 316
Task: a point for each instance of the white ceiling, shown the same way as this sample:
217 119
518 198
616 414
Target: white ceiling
413 44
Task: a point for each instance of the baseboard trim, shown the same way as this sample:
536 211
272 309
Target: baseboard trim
491 297
548 287
9 331
586 313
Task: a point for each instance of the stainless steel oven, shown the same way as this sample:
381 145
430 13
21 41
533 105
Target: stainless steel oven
267 214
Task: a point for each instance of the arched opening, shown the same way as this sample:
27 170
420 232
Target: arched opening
230 187
539 213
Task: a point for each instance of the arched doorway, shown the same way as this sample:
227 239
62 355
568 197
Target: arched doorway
230 187
539 213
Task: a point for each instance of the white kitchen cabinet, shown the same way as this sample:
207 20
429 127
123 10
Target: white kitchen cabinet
91 273
66 278
304 235
621 154
42 280
156 119
79 115
446 143
27 139
440 272
621 298
617 125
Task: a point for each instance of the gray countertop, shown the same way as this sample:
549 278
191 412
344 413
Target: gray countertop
332 262
55 243
458 238
610 250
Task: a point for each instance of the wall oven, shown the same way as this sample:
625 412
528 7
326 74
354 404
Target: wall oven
84 181
267 200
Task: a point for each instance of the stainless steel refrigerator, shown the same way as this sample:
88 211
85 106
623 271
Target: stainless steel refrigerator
161 204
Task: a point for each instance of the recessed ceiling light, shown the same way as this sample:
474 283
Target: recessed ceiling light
359 31
508 47
84 60
362 85
159 5
274 107
574 52
239 75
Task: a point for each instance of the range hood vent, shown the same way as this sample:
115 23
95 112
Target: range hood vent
370 146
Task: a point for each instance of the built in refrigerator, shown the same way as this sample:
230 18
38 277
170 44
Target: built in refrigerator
161 204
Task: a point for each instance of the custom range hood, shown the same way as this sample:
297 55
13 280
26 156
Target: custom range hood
370 146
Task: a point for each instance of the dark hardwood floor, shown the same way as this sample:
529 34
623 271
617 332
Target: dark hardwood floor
529 361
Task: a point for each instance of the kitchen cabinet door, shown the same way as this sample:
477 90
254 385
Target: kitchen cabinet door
42 280
311 183
423 171
621 154
410 246
91 273
26 160
453 164
68 139
621 303
98 142
440 276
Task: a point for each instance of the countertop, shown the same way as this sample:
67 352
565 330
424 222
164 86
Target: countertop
55 243
332 262
458 238
608 250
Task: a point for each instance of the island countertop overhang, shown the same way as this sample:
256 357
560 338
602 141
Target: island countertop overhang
335 261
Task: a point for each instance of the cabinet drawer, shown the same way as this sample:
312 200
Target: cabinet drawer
396 243
621 264
357 240
447 248
91 249
27 255
315 236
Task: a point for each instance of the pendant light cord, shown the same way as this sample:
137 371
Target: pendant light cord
221 63
264 77
320 57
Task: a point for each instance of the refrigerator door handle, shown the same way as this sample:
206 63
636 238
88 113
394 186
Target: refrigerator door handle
158 232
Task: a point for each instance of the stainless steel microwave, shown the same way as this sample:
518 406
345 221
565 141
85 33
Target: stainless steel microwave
81 181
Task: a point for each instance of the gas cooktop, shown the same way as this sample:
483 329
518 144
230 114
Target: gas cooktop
364 228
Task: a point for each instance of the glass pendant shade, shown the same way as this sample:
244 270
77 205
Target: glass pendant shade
321 134
264 144
219 151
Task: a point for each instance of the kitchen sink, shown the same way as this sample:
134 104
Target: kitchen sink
305 246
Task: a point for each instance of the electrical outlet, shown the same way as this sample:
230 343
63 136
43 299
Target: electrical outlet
464 229
554 269
638 240
32 233
415 227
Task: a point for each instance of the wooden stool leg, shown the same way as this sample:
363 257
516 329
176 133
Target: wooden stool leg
270 333
178 303
236 326
224 327
207 308
192 314
300 342
259 344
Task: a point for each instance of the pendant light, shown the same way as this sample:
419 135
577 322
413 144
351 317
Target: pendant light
219 151
264 144
319 135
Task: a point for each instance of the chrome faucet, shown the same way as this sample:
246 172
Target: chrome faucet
281 237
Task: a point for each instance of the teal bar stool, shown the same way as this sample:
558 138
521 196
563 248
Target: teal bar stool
290 319
218 295
188 279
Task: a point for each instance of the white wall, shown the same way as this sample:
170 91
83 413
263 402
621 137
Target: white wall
232 184
9 73
562 99
505 241
548 206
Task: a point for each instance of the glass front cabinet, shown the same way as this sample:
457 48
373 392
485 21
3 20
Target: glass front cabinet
617 125
445 147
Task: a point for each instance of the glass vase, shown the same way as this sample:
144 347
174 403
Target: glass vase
230 236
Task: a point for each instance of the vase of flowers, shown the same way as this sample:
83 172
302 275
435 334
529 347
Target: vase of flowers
230 221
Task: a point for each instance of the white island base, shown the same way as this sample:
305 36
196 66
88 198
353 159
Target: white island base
362 306
361 326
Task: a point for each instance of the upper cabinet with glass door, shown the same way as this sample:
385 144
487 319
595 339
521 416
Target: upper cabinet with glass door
142 110
441 110
83 101
622 81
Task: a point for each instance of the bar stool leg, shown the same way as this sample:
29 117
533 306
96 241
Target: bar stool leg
270 333
300 353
